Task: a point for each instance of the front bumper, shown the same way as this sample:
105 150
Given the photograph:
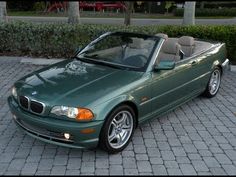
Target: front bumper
51 130
226 65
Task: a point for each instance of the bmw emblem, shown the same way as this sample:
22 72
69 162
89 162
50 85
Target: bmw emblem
34 93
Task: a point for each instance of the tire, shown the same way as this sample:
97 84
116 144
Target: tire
213 84
114 128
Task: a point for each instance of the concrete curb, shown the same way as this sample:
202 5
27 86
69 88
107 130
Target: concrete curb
40 61
33 61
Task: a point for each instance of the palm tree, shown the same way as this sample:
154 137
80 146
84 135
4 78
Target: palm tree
3 11
189 13
73 12
202 4
128 11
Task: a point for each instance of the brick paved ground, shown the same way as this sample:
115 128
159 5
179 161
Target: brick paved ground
197 138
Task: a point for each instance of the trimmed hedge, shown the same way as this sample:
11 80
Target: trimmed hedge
61 40
207 12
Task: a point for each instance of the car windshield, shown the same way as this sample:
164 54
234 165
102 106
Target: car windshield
124 50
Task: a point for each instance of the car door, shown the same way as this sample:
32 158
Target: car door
172 87
200 71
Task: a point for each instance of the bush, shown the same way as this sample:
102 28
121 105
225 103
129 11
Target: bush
39 6
61 40
229 12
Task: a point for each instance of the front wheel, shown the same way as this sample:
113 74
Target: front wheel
118 129
214 83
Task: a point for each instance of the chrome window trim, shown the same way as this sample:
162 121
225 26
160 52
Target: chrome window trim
155 55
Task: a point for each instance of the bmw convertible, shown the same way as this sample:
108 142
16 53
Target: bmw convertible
118 81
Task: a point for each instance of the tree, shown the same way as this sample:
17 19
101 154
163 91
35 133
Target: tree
168 5
128 11
73 12
3 11
189 13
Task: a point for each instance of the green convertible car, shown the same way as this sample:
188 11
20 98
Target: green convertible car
115 83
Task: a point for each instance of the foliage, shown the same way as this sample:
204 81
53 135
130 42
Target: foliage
22 5
61 40
168 5
39 6
206 12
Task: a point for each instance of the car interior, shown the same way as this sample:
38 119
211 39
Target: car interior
176 49
136 51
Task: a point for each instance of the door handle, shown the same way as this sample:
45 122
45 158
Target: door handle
194 62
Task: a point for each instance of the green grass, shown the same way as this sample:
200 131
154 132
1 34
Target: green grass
105 15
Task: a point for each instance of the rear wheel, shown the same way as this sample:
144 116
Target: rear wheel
214 83
118 129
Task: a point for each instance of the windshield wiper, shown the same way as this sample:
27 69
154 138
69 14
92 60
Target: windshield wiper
88 60
106 63
91 56
83 60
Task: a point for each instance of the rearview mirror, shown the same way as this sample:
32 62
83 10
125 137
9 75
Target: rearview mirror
165 65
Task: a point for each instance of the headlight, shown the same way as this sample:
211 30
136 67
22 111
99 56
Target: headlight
14 93
81 114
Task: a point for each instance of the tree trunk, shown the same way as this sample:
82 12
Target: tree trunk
202 3
3 11
128 11
149 6
73 12
189 13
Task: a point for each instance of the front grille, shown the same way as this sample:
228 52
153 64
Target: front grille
36 107
31 105
24 102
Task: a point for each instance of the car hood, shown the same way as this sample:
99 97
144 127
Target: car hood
74 83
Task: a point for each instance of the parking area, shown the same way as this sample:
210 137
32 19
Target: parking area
198 138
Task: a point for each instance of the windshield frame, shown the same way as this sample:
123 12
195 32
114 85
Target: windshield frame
156 39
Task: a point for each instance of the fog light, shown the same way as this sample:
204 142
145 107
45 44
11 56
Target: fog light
67 136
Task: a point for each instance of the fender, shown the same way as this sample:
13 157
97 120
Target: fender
102 110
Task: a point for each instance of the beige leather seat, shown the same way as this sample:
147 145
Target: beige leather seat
187 45
169 51
136 47
165 36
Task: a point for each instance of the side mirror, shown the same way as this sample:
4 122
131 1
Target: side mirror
165 65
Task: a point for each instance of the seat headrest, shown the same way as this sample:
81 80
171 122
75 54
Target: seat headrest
171 47
165 36
186 40
137 43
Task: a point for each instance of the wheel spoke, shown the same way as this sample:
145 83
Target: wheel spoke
211 81
114 122
126 127
112 137
124 133
119 139
122 119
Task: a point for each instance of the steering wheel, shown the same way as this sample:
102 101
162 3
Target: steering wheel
138 60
